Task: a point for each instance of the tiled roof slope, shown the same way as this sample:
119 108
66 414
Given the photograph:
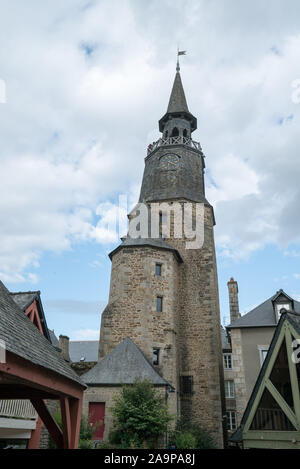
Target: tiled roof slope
263 315
122 366
24 299
22 338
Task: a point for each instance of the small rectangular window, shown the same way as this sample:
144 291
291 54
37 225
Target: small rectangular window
231 420
186 384
156 356
263 352
158 270
229 389
227 361
159 304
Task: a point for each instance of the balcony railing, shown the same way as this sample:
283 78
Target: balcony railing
21 409
271 419
174 141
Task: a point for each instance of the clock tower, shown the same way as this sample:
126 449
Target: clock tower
164 295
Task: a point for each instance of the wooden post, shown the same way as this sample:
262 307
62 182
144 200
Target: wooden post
35 435
49 422
75 406
66 421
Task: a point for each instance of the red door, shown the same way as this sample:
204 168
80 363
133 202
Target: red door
97 416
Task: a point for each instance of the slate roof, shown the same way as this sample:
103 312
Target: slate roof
53 338
158 243
87 349
23 339
122 366
264 314
178 105
294 319
177 102
24 299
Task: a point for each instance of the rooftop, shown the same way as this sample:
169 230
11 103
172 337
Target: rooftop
22 338
123 365
264 315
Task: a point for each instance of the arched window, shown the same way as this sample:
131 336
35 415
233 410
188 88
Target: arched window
185 133
175 132
166 134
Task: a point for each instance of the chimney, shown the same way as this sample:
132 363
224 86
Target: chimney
233 292
64 347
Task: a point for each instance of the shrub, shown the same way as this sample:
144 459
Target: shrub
184 432
185 440
104 445
85 444
141 416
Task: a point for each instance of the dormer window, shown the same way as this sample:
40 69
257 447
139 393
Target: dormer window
280 307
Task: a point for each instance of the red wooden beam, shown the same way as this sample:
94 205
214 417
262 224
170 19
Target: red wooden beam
37 376
49 422
75 415
66 421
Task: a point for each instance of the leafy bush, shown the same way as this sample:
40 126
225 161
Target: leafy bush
85 444
104 445
189 434
141 416
185 440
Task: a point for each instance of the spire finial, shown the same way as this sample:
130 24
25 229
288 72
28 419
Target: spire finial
179 52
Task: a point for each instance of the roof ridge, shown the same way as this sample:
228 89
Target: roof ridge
24 292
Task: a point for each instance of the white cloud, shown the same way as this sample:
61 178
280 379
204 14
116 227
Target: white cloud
85 88
85 334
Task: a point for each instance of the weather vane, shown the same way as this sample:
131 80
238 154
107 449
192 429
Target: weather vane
179 52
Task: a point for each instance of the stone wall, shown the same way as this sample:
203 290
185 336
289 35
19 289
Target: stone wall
131 311
187 331
200 347
238 373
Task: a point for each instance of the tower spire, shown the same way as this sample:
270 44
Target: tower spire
177 107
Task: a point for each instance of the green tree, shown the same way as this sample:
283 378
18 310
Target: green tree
140 416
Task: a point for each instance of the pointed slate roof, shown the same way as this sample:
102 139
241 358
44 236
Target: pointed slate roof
122 366
177 101
23 339
25 299
264 314
178 106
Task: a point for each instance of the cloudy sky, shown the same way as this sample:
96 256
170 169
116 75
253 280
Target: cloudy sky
85 83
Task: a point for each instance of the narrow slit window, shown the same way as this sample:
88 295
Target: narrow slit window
158 270
159 304
156 356
186 384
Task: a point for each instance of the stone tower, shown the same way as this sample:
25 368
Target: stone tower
163 296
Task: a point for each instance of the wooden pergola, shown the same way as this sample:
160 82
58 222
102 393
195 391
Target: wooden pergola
33 369
277 425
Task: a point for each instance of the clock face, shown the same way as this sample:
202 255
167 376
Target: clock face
169 162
